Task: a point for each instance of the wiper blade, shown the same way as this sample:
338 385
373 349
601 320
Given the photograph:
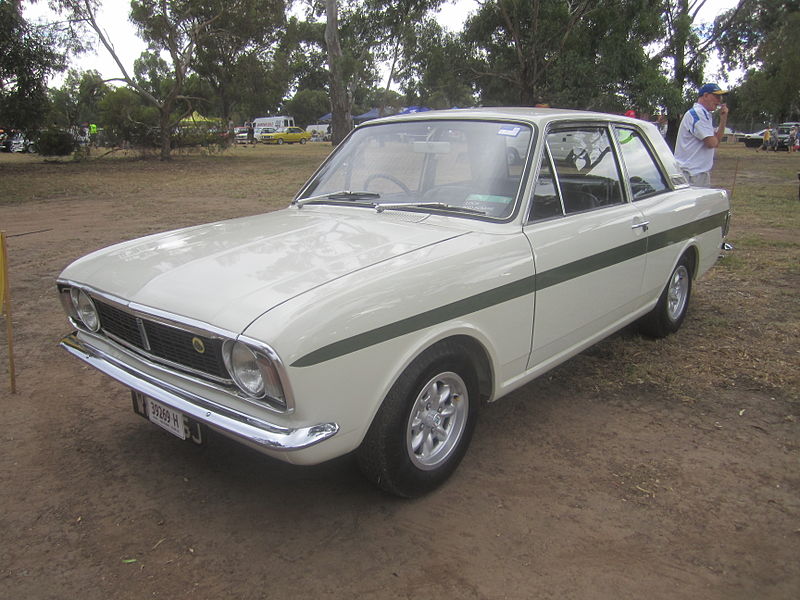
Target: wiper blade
342 195
437 205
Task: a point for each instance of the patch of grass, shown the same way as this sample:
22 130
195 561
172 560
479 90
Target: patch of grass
272 174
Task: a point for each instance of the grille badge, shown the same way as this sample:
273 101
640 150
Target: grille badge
198 345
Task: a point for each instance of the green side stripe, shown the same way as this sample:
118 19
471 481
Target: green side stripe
587 265
428 318
510 291
684 232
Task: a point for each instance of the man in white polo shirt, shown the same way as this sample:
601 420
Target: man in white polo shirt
697 138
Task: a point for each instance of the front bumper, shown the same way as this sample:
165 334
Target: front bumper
236 425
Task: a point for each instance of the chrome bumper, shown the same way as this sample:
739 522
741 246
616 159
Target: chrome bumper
236 425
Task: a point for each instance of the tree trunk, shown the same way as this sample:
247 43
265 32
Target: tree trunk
165 137
341 101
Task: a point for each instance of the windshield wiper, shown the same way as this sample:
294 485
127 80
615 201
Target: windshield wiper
347 195
436 205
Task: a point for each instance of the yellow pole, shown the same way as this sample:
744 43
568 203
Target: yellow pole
5 308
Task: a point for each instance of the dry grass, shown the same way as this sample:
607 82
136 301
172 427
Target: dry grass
271 174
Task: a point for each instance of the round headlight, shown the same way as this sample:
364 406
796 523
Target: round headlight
243 365
85 309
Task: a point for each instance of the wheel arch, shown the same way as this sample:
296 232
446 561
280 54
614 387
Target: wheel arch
478 357
692 253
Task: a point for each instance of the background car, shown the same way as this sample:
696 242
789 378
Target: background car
754 140
240 135
20 143
285 135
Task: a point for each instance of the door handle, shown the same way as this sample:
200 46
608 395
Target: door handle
642 224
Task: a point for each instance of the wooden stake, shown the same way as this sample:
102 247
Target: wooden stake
5 308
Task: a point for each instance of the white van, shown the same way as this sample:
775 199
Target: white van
271 123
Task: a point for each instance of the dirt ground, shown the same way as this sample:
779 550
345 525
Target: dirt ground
639 469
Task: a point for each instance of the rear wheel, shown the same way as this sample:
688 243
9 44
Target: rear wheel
668 314
280 141
303 140
424 426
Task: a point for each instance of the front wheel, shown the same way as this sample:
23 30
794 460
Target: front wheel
424 426
668 314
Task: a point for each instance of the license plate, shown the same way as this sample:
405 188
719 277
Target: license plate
166 417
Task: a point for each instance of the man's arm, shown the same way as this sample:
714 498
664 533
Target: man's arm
713 141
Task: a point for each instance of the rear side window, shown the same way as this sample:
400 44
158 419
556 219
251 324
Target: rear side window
644 175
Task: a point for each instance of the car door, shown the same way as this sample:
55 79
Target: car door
292 134
673 216
589 243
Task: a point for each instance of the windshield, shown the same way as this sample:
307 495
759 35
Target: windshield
461 167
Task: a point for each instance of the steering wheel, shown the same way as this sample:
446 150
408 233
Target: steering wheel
388 177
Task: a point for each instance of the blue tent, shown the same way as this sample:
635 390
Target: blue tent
370 114
325 118
413 109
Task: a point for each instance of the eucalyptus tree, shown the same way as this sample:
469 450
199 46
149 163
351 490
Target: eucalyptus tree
363 34
761 36
243 37
434 71
341 97
684 53
77 100
173 27
29 54
395 29
190 34
573 53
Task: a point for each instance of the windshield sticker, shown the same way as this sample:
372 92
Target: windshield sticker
509 131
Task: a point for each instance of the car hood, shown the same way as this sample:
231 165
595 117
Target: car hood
229 273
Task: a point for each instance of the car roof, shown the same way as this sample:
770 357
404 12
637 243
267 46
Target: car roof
534 116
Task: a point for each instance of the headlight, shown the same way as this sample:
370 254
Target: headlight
254 372
84 309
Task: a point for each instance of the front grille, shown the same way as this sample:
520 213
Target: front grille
160 341
119 323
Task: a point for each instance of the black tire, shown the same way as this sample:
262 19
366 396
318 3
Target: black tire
280 141
668 314
303 140
392 455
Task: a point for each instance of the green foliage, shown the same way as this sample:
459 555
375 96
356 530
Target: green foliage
211 138
241 59
29 53
77 100
56 142
307 106
763 34
434 70
128 120
578 54
243 34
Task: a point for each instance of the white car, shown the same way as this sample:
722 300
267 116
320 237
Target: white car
419 274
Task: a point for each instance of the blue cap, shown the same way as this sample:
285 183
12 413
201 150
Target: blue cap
711 88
